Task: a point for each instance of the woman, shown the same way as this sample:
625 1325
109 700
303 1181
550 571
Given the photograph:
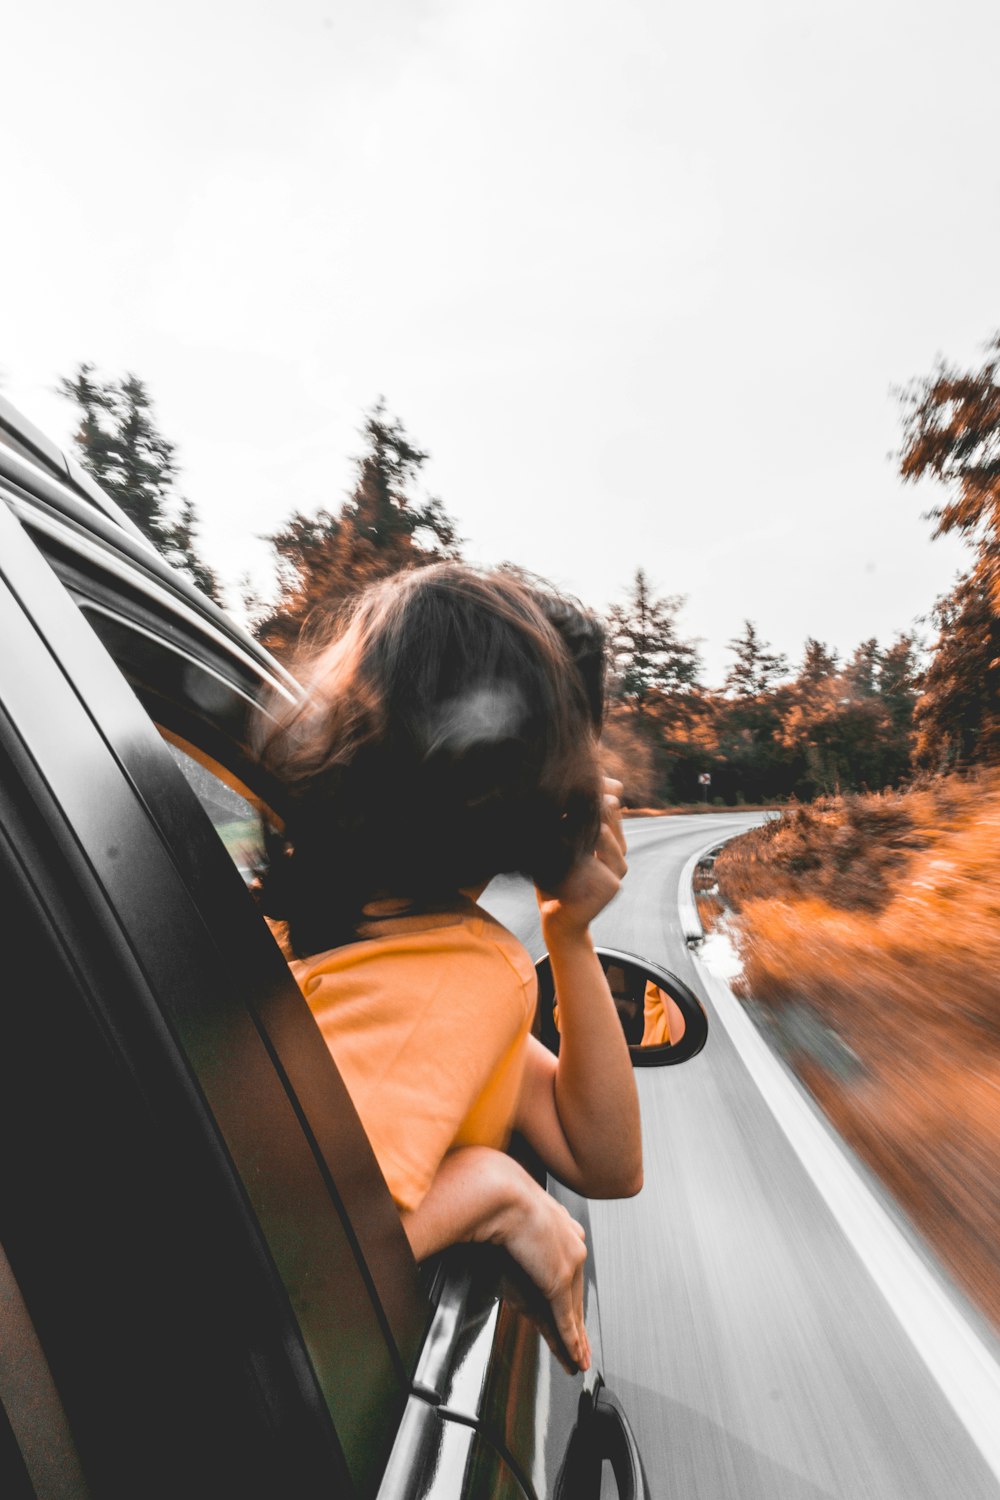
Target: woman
450 735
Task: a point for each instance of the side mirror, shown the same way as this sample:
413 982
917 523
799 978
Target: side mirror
663 1020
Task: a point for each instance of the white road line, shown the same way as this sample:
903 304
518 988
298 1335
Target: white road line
687 906
961 1364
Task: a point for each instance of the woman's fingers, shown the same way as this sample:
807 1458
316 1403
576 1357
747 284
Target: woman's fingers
567 1298
569 1322
612 810
554 1339
584 1361
590 885
550 1245
610 852
583 1358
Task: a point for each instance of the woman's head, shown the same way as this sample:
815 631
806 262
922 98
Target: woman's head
447 735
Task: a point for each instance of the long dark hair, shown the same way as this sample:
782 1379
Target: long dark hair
448 734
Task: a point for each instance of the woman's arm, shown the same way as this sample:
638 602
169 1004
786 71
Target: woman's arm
581 1111
482 1196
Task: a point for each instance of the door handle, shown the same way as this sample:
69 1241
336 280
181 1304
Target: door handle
616 1442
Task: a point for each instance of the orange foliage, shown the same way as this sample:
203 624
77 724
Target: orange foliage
896 951
627 755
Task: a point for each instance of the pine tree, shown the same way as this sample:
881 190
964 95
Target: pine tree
850 729
653 690
756 668
649 656
951 432
819 663
899 682
863 668
119 444
956 718
380 529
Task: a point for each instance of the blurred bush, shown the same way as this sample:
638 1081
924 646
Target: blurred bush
881 915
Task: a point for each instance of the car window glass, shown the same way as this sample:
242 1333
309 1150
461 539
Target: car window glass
235 814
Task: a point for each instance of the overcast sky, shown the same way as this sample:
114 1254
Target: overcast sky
641 276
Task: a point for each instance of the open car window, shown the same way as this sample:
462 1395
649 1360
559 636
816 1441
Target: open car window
237 816
310 1217
143 754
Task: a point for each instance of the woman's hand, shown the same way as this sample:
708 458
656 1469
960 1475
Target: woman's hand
549 1244
594 880
612 813
483 1196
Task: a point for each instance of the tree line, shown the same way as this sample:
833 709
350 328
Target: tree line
774 730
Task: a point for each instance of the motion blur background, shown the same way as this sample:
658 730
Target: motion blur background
688 310
640 277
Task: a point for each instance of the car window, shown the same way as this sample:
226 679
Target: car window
312 1282
329 1313
207 727
236 815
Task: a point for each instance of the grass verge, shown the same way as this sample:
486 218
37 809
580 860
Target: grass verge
870 934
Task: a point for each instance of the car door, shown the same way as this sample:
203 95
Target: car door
346 1382
160 968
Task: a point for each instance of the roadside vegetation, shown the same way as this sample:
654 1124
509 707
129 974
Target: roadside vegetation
869 925
869 928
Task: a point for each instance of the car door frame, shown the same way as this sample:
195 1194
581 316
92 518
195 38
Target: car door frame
510 1349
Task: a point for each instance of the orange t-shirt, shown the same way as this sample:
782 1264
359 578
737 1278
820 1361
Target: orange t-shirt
428 1028
656 1021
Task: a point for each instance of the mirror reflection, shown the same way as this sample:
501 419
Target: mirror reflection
662 1019
650 1017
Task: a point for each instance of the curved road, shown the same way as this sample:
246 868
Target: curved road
755 1332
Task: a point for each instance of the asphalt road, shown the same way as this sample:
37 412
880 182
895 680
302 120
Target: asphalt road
764 1339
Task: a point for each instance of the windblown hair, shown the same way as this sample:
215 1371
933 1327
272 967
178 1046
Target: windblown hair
447 735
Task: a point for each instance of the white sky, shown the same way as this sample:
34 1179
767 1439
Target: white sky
640 276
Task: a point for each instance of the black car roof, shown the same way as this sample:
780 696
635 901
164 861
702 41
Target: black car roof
24 437
54 496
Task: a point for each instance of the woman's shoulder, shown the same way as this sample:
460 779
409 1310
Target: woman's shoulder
461 954
467 927
504 941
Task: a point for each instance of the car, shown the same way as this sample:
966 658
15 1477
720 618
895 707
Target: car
206 1289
